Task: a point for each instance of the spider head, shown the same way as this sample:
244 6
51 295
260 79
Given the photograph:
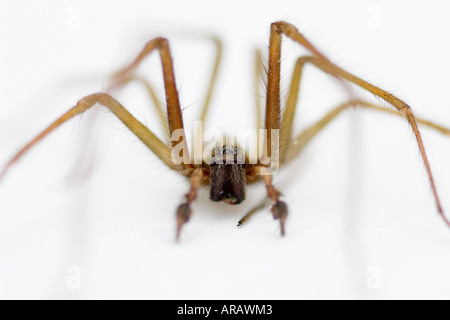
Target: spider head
227 175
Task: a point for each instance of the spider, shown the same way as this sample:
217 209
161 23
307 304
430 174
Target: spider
230 169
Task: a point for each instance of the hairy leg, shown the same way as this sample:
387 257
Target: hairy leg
174 115
259 72
153 97
289 111
319 60
175 121
143 133
213 78
298 143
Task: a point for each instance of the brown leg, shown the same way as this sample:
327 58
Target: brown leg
272 120
323 63
153 97
290 148
175 120
289 111
212 80
297 144
273 111
273 108
143 133
279 208
184 211
174 116
257 76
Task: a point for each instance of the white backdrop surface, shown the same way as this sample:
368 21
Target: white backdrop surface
362 221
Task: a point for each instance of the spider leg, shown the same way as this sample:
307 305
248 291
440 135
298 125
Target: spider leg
184 211
259 71
174 116
158 147
273 109
260 206
124 75
289 110
153 97
319 60
290 148
212 82
213 77
279 208
273 105
298 143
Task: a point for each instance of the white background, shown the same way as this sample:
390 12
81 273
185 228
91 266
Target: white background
362 221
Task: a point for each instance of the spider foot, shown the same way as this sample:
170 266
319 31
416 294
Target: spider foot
183 214
279 211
